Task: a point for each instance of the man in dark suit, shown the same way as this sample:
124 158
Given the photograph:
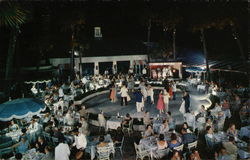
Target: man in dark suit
40 145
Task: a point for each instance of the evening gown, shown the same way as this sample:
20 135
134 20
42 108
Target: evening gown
160 103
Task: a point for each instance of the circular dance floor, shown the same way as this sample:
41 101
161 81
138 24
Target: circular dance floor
103 103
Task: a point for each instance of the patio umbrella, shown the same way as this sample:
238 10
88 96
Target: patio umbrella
20 108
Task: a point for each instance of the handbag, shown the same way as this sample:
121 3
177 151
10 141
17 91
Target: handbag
128 98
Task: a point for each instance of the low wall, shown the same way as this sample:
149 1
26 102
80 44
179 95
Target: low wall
90 96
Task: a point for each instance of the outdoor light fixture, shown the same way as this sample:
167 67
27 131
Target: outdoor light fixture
76 53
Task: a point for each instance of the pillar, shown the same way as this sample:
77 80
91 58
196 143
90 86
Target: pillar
131 64
96 69
114 68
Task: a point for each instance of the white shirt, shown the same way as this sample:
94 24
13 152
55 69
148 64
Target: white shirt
150 92
174 87
80 141
190 118
62 152
61 94
34 90
166 98
34 127
124 92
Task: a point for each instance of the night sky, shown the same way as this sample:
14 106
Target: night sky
123 28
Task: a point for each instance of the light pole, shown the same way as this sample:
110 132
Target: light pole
174 32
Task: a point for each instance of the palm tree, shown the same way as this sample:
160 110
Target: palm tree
73 22
169 21
13 16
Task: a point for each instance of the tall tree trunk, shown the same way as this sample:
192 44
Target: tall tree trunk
243 57
174 31
149 34
80 60
205 53
9 61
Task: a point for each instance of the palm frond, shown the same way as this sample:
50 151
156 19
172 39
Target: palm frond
12 14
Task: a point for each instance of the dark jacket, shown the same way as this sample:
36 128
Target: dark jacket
188 138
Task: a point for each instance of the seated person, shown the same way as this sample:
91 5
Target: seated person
219 121
57 132
174 142
54 121
231 148
101 119
149 131
161 143
22 146
24 134
118 136
161 147
102 143
209 123
84 128
217 108
146 118
19 156
211 141
171 121
187 137
13 126
48 128
202 112
223 155
185 125
40 145
34 126
176 155
126 121
48 153
245 113
232 131
83 112
69 120
190 120
195 155
164 127
244 154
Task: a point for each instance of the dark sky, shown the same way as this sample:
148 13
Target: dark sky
124 28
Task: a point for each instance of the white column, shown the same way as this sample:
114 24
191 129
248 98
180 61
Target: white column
114 68
131 64
96 69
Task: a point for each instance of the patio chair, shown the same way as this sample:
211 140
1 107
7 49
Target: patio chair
179 148
129 129
119 146
6 144
103 153
47 136
192 145
55 140
141 153
161 153
6 151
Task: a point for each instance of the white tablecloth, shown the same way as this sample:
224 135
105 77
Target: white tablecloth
113 123
149 143
220 136
31 155
201 87
91 146
14 135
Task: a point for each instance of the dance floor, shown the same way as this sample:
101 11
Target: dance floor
102 102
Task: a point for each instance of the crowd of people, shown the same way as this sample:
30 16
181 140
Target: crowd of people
67 126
